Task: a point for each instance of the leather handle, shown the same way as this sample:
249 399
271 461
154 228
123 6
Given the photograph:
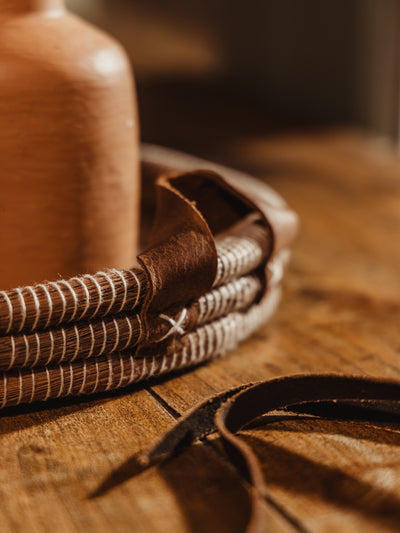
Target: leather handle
231 410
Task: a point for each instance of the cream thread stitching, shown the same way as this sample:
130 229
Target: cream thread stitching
201 348
139 320
48 385
62 381
176 324
21 388
192 357
82 389
87 295
100 293
153 367
184 361
37 307
121 362
144 369
130 333
50 311
23 309
33 386
27 350
114 292
120 275
92 340
97 376
37 350
71 380
13 354
64 337
103 324
163 366
110 373
51 335
173 361
63 300
132 374
74 297
10 311
117 335
210 339
78 343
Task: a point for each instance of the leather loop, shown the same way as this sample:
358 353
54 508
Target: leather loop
231 410
192 209
181 261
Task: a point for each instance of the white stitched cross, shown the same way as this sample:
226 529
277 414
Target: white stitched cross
177 325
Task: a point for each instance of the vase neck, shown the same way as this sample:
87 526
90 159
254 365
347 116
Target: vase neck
25 6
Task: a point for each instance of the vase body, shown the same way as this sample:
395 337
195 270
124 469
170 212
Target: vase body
69 149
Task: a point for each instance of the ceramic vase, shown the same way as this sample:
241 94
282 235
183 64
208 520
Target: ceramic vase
69 163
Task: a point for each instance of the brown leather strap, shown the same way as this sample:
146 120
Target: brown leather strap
257 196
181 261
193 207
231 410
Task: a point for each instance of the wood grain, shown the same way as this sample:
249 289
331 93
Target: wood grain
69 467
340 313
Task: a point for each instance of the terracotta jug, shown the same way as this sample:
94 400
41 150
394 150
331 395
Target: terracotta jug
69 164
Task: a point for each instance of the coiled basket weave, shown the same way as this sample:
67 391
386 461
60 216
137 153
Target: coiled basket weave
209 278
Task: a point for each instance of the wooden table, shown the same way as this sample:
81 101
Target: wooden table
60 465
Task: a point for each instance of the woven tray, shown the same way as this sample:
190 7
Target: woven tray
209 278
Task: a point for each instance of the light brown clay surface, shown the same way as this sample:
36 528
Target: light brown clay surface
69 177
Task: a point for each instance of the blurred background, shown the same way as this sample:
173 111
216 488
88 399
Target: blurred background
208 69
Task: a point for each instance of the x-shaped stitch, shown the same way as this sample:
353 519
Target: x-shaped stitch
177 325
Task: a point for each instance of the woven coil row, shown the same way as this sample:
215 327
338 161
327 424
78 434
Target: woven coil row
79 336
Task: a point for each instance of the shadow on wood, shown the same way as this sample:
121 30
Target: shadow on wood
210 494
